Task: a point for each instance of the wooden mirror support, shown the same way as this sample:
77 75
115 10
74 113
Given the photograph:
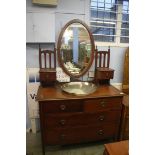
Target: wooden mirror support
64 49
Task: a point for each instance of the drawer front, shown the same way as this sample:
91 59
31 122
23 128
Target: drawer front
105 75
47 76
62 106
80 134
101 104
76 119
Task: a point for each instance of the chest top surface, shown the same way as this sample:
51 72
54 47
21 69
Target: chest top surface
55 93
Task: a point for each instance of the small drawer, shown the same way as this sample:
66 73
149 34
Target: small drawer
104 103
47 76
80 118
62 106
100 75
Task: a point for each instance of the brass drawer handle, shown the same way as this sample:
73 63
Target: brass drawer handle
101 118
102 103
62 122
100 132
62 107
47 76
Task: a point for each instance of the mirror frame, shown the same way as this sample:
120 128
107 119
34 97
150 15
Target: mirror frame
59 46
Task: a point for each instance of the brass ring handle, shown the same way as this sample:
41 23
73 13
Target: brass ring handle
101 118
100 132
62 122
62 107
102 103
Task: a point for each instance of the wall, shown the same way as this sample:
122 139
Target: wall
65 11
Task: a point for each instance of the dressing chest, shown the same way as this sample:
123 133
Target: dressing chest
68 119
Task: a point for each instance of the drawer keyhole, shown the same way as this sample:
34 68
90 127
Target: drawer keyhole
62 107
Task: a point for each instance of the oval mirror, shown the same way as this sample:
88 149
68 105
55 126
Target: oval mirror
75 48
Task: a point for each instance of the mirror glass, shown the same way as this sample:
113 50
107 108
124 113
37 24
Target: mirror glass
75 53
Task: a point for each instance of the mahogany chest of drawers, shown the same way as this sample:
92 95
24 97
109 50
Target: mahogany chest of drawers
68 119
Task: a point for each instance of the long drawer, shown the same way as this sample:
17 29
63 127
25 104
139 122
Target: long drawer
80 118
80 134
62 106
103 103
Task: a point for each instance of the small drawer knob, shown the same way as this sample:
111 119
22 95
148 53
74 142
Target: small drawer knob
62 122
47 75
101 118
102 103
100 132
62 107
